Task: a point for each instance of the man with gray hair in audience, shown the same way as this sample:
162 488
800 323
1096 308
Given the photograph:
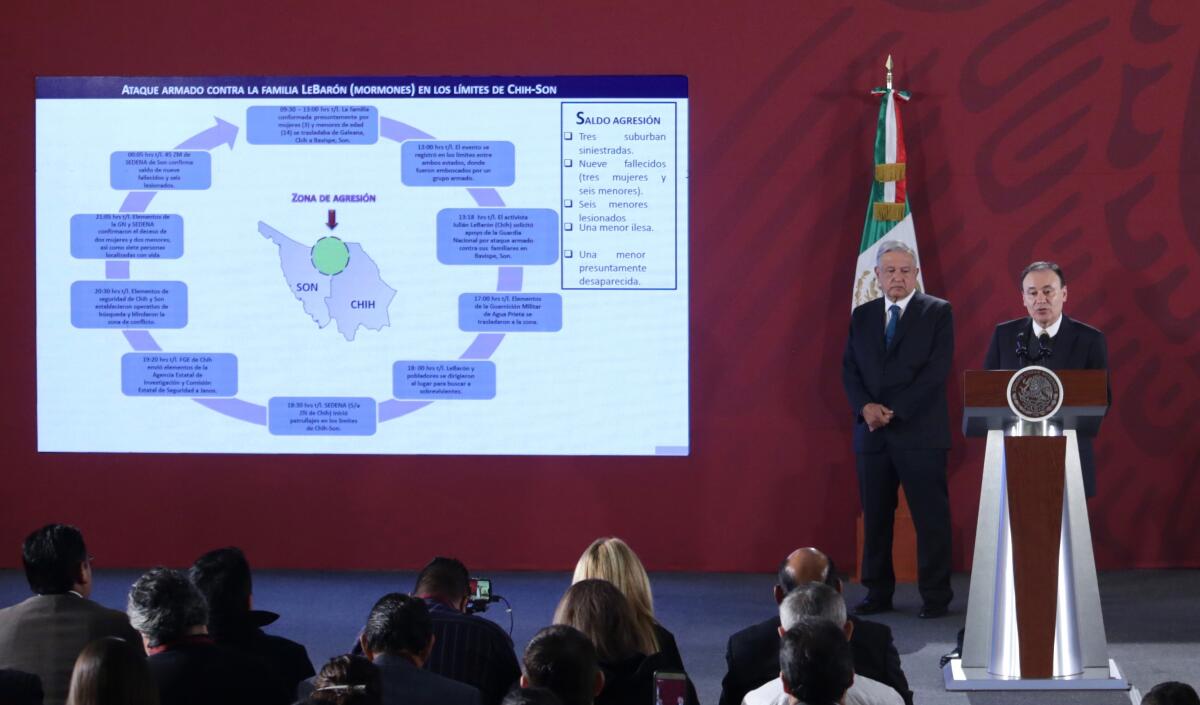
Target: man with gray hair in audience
817 600
170 613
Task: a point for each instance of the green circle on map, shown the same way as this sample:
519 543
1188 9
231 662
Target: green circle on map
330 255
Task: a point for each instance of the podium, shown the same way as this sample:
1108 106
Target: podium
1033 613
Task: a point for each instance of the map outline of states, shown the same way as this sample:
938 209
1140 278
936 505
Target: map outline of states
361 279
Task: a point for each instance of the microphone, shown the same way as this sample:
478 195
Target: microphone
1023 348
1045 346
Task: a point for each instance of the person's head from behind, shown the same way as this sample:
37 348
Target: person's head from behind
398 625
805 565
599 610
348 680
531 696
56 561
1171 693
112 671
563 659
613 560
815 662
814 600
445 580
164 606
223 576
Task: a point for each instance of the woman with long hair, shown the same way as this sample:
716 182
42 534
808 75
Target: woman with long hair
599 610
112 671
613 560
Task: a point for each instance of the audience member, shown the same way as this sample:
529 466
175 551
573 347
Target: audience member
467 648
348 680
599 610
223 576
531 696
20 688
816 664
398 638
189 668
613 560
752 655
821 601
563 660
1171 693
112 671
44 634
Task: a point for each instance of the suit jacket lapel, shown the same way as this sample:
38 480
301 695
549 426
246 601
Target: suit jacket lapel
1064 342
875 337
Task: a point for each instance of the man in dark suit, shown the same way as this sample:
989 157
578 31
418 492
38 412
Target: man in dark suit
223 575
752 655
467 647
187 666
398 638
894 370
44 634
1049 338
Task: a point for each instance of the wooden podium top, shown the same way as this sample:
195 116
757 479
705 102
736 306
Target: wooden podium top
985 400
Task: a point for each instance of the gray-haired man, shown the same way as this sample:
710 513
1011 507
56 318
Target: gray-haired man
190 669
894 370
816 600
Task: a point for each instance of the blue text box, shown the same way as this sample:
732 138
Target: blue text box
161 374
445 379
497 236
448 163
510 312
160 171
312 124
126 236
129 304
321 416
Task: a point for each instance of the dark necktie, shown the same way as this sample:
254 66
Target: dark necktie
893 321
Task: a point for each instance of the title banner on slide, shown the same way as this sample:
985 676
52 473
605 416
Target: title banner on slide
208 87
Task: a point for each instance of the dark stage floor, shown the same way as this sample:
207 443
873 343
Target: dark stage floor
1152 619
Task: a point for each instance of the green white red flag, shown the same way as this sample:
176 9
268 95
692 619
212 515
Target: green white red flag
888 214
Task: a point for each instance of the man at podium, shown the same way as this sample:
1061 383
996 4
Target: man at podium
1050 339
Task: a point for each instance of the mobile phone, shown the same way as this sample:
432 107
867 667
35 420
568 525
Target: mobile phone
670 688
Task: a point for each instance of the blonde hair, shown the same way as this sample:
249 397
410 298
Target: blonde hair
613 560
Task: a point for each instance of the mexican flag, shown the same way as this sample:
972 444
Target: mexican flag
888 215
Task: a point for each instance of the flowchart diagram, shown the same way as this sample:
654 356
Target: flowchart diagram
363 265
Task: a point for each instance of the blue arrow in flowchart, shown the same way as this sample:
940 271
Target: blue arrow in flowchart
399 131
222 133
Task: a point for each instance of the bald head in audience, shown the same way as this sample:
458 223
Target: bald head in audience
805 565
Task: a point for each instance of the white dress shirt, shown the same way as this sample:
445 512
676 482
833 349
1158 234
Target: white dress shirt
902 303
1052 329
864 691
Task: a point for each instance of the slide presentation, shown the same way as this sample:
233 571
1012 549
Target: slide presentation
379 265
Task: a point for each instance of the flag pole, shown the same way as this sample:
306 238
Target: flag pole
888 64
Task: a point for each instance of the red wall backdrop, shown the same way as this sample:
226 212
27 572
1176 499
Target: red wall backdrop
1056 129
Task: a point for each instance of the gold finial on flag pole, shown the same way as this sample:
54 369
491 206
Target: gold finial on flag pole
888 64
